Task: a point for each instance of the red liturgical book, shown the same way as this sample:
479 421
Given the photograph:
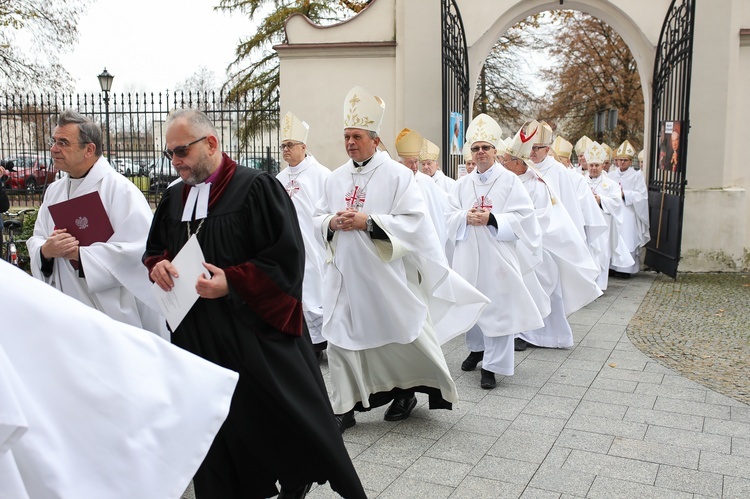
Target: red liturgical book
84 217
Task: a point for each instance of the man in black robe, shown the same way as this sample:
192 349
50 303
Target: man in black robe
249 319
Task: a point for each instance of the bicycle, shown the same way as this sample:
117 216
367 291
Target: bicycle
11 226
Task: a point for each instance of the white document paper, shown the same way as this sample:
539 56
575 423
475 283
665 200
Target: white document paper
175 304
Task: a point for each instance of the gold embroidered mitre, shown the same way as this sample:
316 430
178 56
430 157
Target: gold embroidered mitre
292 128
363 110
483 129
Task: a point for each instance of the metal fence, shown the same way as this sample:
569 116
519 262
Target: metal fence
133 135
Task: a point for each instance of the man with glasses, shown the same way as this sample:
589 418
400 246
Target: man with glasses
304 181
567 272
248 318
555 175
498 240
105 275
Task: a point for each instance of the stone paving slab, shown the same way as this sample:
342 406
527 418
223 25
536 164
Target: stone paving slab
650 402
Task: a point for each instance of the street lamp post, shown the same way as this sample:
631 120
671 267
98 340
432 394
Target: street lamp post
105 82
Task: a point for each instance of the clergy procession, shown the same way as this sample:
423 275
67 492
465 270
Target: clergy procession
228 299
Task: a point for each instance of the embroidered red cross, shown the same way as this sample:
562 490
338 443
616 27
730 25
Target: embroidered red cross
292 187
485 203
355 198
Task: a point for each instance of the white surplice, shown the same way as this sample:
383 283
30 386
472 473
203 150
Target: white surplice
92 407
556 176
437 204
635 226
115 282
305 184
495 260
613 251
381 297
594 225
567 272
443 181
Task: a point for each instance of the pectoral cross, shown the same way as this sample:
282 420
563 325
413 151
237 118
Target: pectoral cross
482 205
355 198
292 187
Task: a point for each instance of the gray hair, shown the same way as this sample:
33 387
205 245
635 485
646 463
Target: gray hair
88 131
197 121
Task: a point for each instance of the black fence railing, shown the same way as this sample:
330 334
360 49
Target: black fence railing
133 135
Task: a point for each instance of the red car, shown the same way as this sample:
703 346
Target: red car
30 172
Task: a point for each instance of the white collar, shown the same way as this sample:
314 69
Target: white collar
197 201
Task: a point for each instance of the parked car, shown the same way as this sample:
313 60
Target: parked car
124 166
30 172
161 173
264 163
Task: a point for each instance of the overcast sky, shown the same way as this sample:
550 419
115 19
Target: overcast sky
153 45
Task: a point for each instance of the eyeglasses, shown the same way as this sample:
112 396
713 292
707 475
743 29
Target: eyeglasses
62 143
536 148
181 151
483 148
289 145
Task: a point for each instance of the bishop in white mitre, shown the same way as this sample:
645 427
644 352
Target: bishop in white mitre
635 226
611 248
304 180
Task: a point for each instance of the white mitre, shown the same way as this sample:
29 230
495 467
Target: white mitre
363 110
484 129
625 151
596 153
520 146
544 135
292 128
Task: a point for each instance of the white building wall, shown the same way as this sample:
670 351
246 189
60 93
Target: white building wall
393 49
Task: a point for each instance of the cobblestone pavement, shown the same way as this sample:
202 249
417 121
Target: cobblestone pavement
699 325
600 420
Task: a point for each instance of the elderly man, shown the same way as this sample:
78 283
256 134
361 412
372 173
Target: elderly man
611 248
408 145
304 181
106 275
567 271
389 293
635 226
468 158
554 173
498 240
248 318
428 161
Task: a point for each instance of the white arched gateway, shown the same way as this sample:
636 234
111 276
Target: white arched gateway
394 48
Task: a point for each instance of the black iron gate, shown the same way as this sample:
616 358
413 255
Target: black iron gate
670 124
455 86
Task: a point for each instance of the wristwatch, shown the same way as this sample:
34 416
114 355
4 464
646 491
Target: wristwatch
368 224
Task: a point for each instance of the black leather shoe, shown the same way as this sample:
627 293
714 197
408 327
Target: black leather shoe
488 380
471 361
345 420
296 493
400 408
519 344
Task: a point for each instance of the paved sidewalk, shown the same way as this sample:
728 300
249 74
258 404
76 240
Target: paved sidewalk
599 420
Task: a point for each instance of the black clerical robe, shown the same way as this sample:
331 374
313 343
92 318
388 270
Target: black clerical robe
280 425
